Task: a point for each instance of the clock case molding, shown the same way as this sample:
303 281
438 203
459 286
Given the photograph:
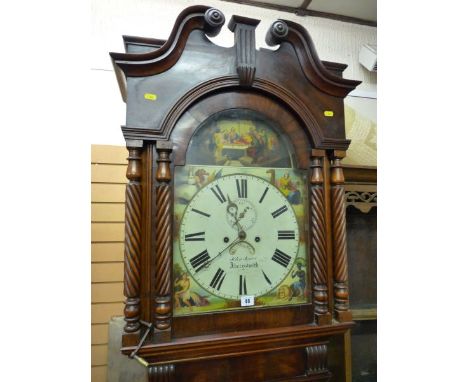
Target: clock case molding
170 87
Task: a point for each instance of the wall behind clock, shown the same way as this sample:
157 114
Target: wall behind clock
108 167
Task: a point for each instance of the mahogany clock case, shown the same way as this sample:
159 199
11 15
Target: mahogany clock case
171 88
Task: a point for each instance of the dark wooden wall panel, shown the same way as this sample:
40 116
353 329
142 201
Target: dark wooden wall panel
364 350
362 257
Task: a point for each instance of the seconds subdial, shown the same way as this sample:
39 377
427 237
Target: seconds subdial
245 216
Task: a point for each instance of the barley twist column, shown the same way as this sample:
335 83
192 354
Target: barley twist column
163 255
340 260
132 240
318 242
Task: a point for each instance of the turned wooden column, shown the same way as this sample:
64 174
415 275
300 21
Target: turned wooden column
317 363
132 238
340 258
318 242
163 255
161 373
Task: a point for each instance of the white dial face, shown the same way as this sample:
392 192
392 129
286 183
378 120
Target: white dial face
239 236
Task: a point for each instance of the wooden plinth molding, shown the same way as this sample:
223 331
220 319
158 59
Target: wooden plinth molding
340 259
161 373
132 241
317 364
318 242
163 255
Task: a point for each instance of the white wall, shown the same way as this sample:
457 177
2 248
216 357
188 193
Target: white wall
110 19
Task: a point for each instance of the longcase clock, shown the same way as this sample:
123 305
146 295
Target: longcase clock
235 243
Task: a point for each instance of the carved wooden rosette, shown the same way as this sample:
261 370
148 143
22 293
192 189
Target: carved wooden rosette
132 241
161 373
340 261
214 20
318 241
277 33
163 262
317 365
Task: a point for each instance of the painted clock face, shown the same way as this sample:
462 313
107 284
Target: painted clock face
240 218
239 236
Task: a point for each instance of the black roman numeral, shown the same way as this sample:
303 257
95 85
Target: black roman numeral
200 260
241 188
218 193
218 279
263 195
201 212
198 236
242 285
281 258
286 235
266 278
279 211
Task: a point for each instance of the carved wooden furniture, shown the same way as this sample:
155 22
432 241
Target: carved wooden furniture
361 212
171 89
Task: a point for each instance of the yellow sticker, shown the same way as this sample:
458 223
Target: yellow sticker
328 113
151 96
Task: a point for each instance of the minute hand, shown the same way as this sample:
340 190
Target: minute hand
220 253
232 209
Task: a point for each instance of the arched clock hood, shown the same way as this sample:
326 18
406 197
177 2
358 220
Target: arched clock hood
293 73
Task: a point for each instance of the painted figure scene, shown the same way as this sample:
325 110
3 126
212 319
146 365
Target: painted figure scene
189 296
238 138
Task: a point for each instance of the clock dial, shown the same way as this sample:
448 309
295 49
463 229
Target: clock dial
239 236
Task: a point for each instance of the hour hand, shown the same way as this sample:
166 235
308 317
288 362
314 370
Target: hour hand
232 208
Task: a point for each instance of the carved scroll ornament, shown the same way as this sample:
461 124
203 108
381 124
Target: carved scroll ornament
362 200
